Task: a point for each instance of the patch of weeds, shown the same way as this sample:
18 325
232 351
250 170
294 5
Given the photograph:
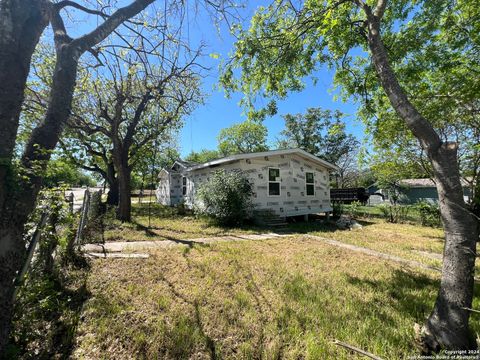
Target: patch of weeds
47 314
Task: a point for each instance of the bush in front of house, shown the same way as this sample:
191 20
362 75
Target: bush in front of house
226 197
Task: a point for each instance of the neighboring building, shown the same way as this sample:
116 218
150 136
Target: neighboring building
288 182
410 191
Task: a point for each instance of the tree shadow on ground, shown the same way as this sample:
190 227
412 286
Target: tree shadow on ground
47 314
147 230
409 291
316 224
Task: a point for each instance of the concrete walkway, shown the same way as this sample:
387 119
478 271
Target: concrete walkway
107 249
411 263
116 249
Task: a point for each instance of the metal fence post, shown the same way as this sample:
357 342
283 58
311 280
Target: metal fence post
30 251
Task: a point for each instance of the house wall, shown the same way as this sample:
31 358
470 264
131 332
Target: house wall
412 195
292 199
163 190
169 190
176 191
415 194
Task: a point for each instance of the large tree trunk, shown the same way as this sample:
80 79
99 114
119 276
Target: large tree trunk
113 195
22 22
113 192
12 255
447 325
20 205
124 184
21 25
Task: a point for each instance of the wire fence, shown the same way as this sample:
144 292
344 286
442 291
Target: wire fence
88 229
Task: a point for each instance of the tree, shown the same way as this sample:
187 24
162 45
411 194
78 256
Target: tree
22 22
203 156
61 171
389 167
131 110
322 133
161 154
21 25
286 43
246 137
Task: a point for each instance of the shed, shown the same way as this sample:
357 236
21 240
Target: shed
288 182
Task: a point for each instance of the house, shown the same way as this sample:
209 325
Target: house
288 182
410 191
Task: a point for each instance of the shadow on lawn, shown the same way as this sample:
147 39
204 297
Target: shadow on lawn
48 313
317 225
410 292
223 229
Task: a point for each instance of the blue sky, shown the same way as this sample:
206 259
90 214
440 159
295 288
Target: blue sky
202 127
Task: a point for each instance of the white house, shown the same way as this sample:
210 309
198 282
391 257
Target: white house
288 182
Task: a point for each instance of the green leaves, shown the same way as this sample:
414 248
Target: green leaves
319 132
226 197
433 47
243 137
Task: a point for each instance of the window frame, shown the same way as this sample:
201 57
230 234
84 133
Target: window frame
274 182
184 185
309 183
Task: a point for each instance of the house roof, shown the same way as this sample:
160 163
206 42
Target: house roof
183 163
417 182
231 158
423 183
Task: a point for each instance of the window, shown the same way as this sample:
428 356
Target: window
273 182
309 184
184 186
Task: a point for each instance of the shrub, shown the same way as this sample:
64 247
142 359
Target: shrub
337 209
429 213
354 209
395 213
227 197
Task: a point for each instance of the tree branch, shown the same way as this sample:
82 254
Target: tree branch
89 40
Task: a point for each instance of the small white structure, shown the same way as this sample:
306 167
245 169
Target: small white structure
288 182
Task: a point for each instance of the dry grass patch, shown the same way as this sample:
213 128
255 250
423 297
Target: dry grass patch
404 240
167 224
283 298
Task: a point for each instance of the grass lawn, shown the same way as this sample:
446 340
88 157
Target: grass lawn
411 242
167 224
283 298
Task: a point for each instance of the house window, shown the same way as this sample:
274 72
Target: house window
273 182
184 186
310 184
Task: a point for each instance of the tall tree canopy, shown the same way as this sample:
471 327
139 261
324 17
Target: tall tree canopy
203 156
129 108
388 53
246 137
322 133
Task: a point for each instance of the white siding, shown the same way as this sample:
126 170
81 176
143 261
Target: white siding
292 199
163 190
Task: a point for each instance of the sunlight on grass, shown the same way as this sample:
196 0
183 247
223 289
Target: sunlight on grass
271 299
167 224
